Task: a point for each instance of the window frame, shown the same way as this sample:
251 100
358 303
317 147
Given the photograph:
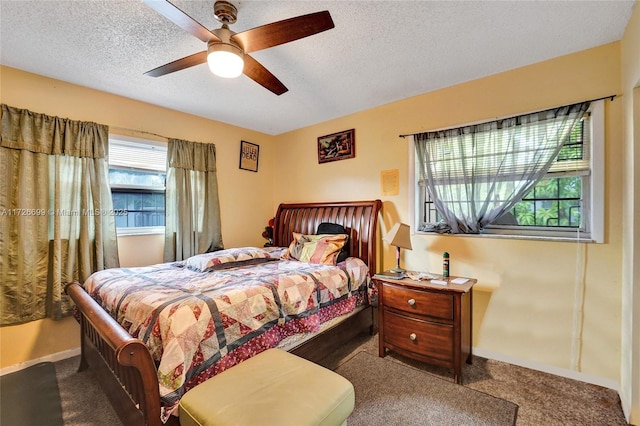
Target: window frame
139 230
593 194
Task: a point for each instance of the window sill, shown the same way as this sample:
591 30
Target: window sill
146 230
496 235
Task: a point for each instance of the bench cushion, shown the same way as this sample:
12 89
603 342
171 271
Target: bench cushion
271 388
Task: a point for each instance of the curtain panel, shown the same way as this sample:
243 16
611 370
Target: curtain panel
475 174
192 223
56 213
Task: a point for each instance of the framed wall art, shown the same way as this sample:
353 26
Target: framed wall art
249 154
337 146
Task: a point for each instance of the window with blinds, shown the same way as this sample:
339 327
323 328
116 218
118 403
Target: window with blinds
559 200
566 203
137 172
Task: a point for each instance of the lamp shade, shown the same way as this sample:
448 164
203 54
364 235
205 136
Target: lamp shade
399 236
225 60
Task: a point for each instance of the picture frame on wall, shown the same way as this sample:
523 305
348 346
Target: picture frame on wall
249 156
337 146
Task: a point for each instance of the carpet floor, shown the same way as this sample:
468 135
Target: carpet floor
30 397
543 399
389 392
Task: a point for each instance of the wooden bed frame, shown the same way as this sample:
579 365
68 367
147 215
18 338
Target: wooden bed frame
123 365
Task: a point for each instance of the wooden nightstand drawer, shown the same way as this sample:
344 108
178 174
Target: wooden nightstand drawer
434 304
418 336
426 321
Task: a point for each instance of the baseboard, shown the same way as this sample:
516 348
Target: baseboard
545 368
48 358
626 408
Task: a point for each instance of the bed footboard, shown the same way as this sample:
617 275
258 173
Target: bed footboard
123 365
127 374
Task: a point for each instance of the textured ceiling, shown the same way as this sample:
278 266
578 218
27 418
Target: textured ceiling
378 52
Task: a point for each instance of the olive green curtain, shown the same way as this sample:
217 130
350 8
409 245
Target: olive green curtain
192 223
56 218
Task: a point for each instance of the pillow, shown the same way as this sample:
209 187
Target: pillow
334 228
321 249
228 258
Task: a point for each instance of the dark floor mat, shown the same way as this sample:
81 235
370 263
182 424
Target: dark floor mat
30 397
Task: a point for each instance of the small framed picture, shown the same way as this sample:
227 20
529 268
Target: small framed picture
337 146
249 154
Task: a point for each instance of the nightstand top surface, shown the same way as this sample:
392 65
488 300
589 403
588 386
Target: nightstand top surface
427 284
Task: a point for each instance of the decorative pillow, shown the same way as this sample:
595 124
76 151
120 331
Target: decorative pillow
322 249
334 228
228 258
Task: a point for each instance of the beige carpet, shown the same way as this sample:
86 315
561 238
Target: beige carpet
391 393
543 399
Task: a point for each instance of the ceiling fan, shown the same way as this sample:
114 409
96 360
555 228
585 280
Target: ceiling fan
227 51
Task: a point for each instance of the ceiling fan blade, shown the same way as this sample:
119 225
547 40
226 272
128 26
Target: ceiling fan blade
180 64
258 73
181 19
285 31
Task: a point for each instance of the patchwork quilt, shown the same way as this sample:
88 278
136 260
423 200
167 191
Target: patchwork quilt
205 314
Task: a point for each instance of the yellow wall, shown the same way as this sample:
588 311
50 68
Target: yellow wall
141 250
630 364
529 313
37 339
244 212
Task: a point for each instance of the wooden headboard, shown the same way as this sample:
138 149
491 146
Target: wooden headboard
360 218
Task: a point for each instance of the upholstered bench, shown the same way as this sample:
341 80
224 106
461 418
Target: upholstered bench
274 388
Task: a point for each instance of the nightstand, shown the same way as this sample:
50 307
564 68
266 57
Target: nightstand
427 322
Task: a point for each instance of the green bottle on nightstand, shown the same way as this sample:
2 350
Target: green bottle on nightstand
445 265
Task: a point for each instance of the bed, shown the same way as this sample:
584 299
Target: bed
133 371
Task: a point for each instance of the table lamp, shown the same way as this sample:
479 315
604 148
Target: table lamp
400 237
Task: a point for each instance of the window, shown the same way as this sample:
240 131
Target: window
566 203
137 172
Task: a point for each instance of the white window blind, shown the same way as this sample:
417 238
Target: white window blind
479 150
137 155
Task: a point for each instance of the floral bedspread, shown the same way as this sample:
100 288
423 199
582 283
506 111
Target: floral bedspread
197 324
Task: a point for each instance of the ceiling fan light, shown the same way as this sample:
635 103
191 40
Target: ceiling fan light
225 60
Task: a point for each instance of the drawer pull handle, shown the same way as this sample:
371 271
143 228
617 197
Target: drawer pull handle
411 302
412 336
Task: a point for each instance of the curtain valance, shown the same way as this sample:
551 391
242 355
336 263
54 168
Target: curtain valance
200 157
40 133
